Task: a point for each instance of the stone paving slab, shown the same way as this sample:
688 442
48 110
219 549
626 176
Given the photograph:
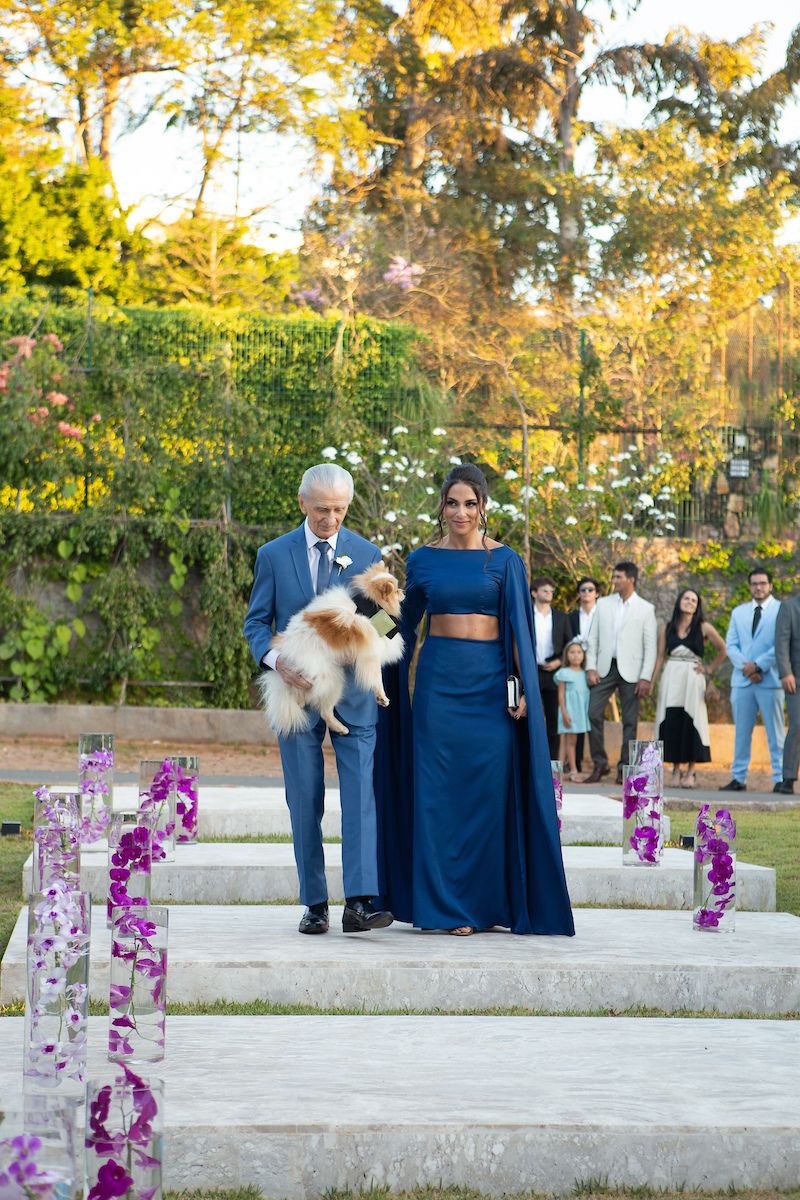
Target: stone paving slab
254 872
299 1105
262 812
617 960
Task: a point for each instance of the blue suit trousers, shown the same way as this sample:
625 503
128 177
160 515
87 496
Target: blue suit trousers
304 778
747 703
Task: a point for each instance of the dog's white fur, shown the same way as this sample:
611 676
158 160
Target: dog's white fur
320 641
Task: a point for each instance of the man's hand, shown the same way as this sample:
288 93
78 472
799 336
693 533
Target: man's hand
789 684
750 669
643 688
293 678
552 664
592 678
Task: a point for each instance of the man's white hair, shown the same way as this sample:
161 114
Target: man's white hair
328 477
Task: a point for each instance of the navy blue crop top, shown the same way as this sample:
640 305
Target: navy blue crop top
454 581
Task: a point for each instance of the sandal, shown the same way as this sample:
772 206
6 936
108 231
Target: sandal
574 777
689 780
677 777
462 931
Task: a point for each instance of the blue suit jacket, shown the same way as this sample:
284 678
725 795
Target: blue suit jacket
744 647
282 586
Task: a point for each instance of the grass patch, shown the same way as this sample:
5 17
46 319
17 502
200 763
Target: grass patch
587 1190
766 839
16 804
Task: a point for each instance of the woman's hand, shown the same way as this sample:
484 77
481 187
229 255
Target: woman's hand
521 710
567 719
701 670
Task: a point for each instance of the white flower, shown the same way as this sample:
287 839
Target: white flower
613 471
456 462
581 487
415 541
548 470
421 472
669 525
391 516
393 452
343 561
424 517
511 475
646 501
386 551
596 487
619 534
384 441
570 520
353 458
592 468
329 452
384 487
439 432
399 429
430 491
665 493
617 483
511 509
627 517
491 504
558 484
605 517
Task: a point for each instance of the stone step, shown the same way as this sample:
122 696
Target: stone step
262 812
253 872
618 959
296 1106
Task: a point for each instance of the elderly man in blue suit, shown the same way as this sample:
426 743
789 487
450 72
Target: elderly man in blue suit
755 686
289 572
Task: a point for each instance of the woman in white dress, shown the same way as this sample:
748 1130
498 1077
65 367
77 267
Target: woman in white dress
681 713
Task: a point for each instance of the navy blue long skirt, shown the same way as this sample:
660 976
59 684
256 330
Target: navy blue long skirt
463 739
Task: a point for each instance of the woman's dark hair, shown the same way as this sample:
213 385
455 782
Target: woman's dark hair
473 477
697 619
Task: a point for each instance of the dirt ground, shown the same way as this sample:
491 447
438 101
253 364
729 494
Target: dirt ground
59 754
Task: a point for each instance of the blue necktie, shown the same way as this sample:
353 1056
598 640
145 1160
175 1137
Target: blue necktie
756 619
324 568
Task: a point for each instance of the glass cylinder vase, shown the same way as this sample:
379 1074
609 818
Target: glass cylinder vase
56 839
187 786
57 989
129 861
714 871
648 756
642 816
157 800
557 771
39 1149
96 768
124 1137
138 990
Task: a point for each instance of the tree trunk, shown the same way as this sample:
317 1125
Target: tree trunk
84 132
111 89
567 206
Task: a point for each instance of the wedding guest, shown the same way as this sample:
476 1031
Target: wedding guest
681 713
755 686
621 658
580 622
573 705
465 793
552 634
787 656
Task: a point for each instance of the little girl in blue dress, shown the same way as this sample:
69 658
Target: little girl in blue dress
573 705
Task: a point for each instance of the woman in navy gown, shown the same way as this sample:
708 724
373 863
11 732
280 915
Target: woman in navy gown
467 815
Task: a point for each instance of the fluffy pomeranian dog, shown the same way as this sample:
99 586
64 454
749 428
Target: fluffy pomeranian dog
339 628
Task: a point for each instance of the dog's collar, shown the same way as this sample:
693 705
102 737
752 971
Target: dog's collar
368 608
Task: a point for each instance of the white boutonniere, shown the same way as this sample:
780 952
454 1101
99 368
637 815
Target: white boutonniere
343 562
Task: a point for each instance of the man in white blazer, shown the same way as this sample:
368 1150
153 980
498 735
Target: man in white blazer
621 657
755 685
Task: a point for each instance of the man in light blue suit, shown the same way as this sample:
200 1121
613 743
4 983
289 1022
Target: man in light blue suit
289 572
755 686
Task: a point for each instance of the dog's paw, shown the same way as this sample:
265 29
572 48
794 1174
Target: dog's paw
383 701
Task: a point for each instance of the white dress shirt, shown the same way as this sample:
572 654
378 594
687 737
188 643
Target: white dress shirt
620 617
271 657
543 625
585 620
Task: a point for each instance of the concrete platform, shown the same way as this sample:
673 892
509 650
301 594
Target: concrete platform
253 872
299 1105
617 960
262 812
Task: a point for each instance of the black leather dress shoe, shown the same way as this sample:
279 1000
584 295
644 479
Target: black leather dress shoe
315 919
785 787
734 786
619 776
359 917
596 775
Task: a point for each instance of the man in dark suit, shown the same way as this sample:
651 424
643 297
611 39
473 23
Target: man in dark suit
787 656
552 634
580 622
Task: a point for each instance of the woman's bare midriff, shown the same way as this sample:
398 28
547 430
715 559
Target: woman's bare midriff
475 627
